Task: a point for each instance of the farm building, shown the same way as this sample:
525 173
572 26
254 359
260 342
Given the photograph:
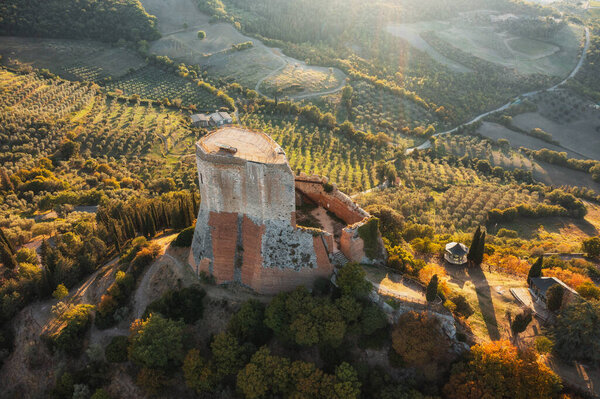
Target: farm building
246 230
456 253
200 120
220 118
540 285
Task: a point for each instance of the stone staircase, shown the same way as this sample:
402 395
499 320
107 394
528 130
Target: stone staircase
338 259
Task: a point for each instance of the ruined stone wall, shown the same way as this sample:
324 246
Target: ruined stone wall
351 244
335 201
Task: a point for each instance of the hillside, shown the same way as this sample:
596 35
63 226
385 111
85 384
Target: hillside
429 170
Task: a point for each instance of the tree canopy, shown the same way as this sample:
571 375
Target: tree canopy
498 370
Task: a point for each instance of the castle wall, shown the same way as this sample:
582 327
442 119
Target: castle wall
351 245
335 201
245 231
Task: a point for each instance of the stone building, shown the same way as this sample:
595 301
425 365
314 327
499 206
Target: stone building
246 228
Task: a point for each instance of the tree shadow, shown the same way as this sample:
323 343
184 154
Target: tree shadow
484 297
457 274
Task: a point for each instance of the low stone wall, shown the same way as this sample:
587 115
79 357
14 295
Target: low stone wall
335 201
313 187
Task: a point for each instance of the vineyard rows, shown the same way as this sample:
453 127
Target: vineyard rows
32 95
372 106
317 151
448 198
151 82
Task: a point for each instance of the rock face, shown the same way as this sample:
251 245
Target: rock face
246 230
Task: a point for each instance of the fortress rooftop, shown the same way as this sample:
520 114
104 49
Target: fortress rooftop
244 144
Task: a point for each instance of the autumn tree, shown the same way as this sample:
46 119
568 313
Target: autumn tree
419 340
498 370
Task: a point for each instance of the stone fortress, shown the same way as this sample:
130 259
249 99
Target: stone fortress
246 229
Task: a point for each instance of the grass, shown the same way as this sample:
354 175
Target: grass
532 48
489 294
295 79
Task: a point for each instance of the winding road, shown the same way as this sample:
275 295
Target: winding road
427 144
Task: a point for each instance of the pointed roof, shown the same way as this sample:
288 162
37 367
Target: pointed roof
457 249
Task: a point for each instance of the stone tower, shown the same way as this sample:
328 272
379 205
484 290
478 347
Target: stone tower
246 230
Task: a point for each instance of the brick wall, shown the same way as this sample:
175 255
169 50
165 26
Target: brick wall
224 227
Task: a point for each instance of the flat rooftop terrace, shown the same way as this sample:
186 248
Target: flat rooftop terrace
244 144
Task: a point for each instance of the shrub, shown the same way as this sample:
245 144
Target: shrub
75 321
463 307
592 247
60 292
543 345
185 237
507 233
369 232
184 304
521 321
351 281
116 350
589 290
201 34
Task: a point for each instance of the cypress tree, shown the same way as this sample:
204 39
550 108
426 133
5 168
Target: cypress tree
536 269
7 256
5 181
480 249
472 255
432 289
4 239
